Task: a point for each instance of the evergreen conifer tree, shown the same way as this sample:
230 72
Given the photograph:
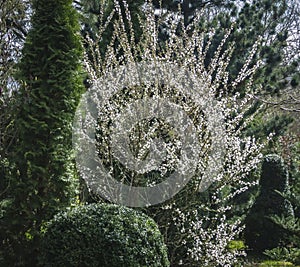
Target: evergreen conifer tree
51 85
268 19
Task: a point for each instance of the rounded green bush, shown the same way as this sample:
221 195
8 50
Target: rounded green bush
103 235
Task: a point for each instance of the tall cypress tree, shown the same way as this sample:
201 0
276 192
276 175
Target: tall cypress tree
49 74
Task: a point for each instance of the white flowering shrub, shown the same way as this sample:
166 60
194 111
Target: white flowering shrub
198 222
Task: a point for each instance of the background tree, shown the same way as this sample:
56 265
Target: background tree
50 78
276 23
14 23
98 17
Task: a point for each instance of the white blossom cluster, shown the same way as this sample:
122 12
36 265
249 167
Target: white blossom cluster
195 222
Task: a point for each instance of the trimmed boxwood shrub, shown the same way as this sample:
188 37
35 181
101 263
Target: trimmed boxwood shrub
261 233
103 235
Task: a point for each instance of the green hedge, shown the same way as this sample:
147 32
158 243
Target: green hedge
103 235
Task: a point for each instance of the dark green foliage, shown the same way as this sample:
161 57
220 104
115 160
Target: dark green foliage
50 88
103 235
262 127
283 253
261 233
